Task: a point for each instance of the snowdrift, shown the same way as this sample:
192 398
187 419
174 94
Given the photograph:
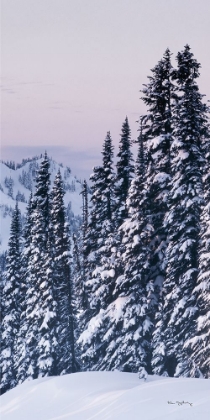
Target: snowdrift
107 395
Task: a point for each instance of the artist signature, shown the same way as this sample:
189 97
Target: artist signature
180 402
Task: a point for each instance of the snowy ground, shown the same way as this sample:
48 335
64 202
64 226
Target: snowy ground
107 395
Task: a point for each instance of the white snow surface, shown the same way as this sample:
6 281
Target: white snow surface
108 396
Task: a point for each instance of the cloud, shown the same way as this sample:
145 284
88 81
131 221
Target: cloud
8 85
8 90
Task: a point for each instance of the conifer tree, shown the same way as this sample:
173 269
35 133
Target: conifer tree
22 356
198 345
39 284
84 193
42 198
124 174
47 339
116 337
157 135
157 132
99 278
100 227
80 263
63 282
12 304
182 222
128 331
108 181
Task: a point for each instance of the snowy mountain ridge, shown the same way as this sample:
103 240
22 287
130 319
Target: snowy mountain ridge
17 184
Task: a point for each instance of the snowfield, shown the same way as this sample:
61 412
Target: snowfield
106 396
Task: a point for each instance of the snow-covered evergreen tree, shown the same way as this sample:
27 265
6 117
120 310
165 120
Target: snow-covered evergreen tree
128 332
99 276
22 356
79 264
109 177
85 209
157 132
12 305
157 135
198 345
42 199
100 227
47 338
40 306
62 279
182 223
116 337
125 170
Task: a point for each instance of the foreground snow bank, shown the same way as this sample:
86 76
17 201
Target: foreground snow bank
107 395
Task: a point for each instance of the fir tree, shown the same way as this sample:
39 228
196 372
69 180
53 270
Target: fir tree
128 332
157 135
42 198
39 284
116 337
182 222
198 345
99 276
100 227
12 305
108 181
22 356
80 263
63 282
124 174
84 193
47 342
157 131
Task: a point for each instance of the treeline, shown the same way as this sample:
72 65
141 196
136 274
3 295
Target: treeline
37 305
136 293
146 254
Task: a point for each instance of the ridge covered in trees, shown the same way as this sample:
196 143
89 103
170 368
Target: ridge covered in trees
131 290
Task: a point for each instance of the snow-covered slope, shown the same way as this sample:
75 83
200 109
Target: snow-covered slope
18 182
107 396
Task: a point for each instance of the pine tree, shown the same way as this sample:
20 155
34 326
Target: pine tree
84 193
79 263
100 228
22 356
116 336
47 339
124 174
42 198
128 332
39 283
157 134
62 278
182 222
198 345
108 179
12 304
99 275
157 131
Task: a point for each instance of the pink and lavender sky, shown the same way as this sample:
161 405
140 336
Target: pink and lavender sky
71 70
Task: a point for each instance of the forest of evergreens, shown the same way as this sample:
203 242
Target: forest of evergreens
131 289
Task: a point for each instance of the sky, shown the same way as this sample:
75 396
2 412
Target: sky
71 70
